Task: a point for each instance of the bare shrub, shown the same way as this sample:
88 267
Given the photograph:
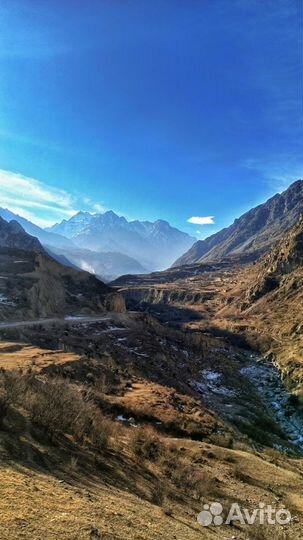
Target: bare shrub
239 474
73 464
159 494
4 404
273 455
195 482
225 441
146 443
57 407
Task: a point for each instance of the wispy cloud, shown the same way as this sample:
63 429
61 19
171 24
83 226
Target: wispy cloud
196 220
40 203
279 174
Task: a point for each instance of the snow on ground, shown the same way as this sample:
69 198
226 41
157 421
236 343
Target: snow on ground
5 301
211 382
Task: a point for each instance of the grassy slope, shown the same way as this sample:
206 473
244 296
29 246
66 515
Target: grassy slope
54 487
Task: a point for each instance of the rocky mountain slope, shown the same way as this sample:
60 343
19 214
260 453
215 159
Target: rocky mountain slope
33 285
155 245
12 235
252 234
46 238
266 302
284 259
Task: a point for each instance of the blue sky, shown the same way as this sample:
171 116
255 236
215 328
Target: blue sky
165 109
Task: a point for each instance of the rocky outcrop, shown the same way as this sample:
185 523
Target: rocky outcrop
12 235
285 258
158 295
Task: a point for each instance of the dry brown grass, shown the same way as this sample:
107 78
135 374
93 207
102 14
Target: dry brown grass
178 413
14 356
125 483
146 443
57 407
261 532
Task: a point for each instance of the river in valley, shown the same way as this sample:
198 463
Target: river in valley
266 378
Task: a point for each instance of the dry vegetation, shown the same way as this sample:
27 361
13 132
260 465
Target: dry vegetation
69 470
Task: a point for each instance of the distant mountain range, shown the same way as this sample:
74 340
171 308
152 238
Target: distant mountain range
254 233
154 245
108 245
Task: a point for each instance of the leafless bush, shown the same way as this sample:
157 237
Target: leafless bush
57 407
159 494
195 482
146 443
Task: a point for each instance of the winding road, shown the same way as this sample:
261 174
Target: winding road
65 320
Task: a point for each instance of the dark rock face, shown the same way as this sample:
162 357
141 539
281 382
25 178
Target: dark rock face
46 238
12 235
254 233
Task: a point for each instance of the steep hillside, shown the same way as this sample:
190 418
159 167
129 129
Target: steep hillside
43 236
267 301
12 235
32 284
285 258
114 436
252 234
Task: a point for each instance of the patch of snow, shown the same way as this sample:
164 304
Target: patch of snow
121 418
5 301
211 375
212 384
73 318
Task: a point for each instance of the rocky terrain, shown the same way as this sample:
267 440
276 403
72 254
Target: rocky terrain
12 235
254 233
33 285
43 236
